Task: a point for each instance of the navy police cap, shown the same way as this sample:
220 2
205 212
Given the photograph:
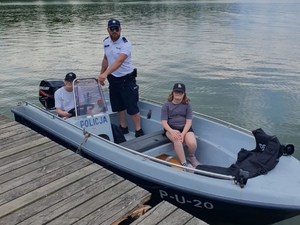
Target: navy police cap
113 23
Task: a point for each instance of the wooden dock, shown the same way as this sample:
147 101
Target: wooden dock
164 214
42 182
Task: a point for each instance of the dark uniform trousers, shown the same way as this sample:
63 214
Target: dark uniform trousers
124 93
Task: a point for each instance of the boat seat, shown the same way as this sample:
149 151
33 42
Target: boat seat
146 142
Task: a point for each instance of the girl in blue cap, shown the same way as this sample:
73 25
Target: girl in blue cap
176 117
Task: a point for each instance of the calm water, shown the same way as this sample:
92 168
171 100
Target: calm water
239 60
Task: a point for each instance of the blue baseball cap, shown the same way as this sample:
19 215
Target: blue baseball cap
179 87
113 23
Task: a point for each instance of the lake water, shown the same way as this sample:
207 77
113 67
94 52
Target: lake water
238 59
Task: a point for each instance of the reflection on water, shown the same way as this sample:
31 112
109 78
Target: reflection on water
239 61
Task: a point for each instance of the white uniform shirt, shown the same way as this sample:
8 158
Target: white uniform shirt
113 49
65 99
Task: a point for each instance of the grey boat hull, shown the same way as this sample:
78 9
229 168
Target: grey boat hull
211 198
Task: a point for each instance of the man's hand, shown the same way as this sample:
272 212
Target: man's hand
67 114
102 77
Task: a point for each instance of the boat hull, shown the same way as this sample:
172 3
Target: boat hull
205 207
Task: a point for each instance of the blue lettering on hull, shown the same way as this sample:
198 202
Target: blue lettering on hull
94 121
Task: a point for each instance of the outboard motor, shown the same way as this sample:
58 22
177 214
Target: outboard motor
46 92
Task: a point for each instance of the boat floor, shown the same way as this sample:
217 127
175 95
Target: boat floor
153 144
129 136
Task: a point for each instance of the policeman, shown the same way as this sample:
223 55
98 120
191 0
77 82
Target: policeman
118 70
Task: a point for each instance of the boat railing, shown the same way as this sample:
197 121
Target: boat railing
201 172
144 156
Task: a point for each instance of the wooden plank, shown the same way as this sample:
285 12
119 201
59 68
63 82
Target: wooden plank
37 144
92 205
91 194
4 119
30 163
46 205
46 189
19 160
16 137
156 215
65 158
123 207
12 130
16 163
196 221
8 124
177 217
46 179
165 213
21 141
118 209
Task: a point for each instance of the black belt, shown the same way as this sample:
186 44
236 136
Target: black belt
129 76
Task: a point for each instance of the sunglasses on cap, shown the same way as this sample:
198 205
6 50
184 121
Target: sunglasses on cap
117 29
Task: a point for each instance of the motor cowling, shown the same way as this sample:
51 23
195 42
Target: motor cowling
47 89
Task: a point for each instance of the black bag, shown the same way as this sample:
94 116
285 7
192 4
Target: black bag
117 134
263 158
252 163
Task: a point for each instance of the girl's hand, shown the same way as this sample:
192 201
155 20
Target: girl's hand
176 135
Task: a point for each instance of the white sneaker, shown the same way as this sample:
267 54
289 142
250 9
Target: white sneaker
193 160
189 166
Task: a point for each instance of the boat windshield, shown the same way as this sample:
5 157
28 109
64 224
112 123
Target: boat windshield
88 97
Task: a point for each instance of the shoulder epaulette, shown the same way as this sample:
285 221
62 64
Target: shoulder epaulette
124 39
105 38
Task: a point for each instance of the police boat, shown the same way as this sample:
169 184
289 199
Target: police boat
244 177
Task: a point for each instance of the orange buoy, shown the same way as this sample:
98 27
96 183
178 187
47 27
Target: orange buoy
171 159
